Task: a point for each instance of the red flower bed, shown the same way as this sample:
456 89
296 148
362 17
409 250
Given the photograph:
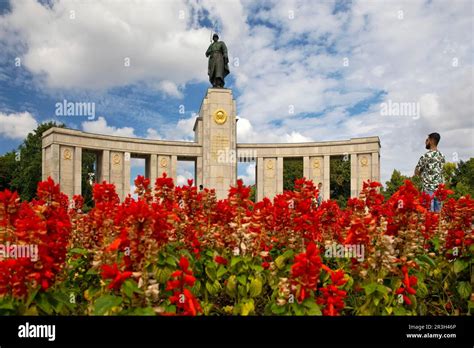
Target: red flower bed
179 251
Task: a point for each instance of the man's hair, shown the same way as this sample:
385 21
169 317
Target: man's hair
435 137
320 183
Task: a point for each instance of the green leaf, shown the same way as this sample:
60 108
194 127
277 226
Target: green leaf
370 288
460 265
427 259
288 254
276 309
399 311
313 308
257 268
242 279
31 297
213 288
422 290
129 287
221 271
247 307
231 285
162 275
80 251
235 260
255 287
280 261
464 289
170 260
211 271
382 289
106 302
144 311
6 305
43 303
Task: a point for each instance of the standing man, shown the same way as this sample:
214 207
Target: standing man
430 168
218 67
320 194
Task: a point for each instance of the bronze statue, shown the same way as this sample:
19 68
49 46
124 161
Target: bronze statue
218 67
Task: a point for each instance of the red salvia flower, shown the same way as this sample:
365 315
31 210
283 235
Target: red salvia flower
408 282
305 271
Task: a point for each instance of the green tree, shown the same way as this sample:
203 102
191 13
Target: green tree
449 170
88 166
292 170
253 194
27 173
396 180
8 164
340 179
462 181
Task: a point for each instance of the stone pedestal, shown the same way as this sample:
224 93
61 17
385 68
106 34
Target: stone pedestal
216 132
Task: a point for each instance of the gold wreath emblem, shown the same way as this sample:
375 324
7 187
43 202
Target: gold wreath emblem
67 154
116 159
164 162
269 164
316 164
364 161
220 116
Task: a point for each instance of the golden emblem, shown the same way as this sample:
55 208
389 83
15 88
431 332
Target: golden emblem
116 159
164 162
316 164
220 116
269 164
67 154
364 161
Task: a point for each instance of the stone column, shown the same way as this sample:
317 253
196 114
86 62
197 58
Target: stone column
103 166
50 162
218 114
354 176
326 177
174 166
77 170
259 179
54 162
164 166
151 168
198 174
126 174
279 176
316 172
66 170
364 169
270 169
375 166
117 172
306 169
43 164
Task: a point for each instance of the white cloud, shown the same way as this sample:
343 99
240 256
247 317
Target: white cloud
152 134
17 125
249 177
184 172
103 44
100 126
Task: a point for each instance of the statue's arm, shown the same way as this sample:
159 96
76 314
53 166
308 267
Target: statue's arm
208 52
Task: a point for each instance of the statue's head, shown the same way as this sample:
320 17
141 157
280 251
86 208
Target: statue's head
215 37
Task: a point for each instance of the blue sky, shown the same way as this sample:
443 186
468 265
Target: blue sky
333 62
